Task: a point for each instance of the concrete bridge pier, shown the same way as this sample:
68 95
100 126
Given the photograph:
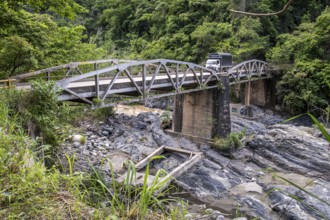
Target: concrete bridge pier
260 93
204 114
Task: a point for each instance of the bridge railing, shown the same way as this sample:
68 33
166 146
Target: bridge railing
68 70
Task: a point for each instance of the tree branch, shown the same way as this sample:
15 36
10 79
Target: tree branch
264 14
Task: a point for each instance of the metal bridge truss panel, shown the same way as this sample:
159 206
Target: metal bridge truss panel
248 70
141 79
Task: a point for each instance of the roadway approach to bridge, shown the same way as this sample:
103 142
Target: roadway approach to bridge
201 107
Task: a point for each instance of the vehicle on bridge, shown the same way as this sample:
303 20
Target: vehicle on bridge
219 61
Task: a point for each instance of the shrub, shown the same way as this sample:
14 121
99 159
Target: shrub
233 140
166 120
38 114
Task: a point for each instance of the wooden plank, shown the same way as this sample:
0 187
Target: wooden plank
7 83
179 150
179 170
171 175
185 166
146 160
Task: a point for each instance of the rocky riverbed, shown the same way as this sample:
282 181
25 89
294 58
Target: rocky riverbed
281 172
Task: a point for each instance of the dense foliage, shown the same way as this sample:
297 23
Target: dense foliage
306 84
32 41
44 33
190 29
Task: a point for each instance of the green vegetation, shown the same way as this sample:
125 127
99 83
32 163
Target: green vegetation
232 141
83 139
27 189
37 113
31 187
166 119
316 122
31 41
306 85
127 200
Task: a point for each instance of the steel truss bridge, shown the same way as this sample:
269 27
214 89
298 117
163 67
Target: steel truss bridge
108 82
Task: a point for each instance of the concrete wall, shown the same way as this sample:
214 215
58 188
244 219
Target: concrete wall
204 113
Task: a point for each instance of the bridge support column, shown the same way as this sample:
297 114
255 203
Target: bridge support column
262 93
203 114
247 99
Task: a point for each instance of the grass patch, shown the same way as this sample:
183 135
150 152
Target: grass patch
126 200
232 141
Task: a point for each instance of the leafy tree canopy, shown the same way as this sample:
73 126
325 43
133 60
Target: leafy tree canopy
30 41
306 85
65 8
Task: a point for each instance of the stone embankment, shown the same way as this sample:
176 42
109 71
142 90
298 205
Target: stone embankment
282 172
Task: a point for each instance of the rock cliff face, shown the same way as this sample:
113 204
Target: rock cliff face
260 180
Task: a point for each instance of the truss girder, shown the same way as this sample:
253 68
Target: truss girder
150 75
142 78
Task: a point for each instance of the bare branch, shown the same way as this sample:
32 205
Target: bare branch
264 14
